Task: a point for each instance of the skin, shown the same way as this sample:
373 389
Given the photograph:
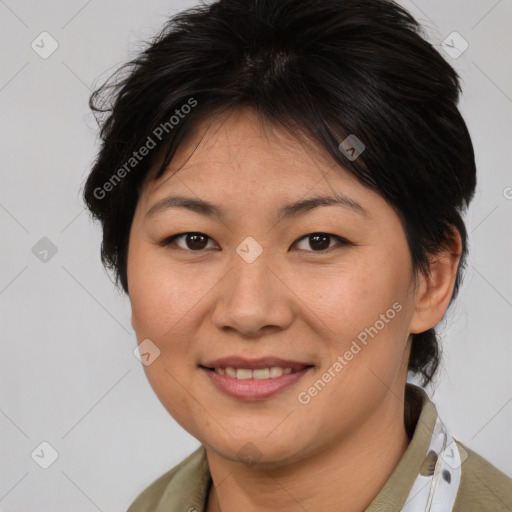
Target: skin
292 302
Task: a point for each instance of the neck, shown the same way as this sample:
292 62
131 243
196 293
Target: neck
348 475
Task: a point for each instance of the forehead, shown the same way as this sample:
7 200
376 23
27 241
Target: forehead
239 151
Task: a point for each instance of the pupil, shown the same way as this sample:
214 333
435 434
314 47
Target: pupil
194 241
324 244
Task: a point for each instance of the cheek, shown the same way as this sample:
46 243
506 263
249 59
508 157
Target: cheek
351 297
162 298
165 296
157 294
382 310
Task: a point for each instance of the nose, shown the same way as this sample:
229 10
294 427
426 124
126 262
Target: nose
253 299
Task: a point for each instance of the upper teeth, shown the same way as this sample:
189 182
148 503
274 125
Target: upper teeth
260 373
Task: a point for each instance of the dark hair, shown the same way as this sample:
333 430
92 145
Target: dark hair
323 68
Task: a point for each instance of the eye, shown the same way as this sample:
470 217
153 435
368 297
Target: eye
191 241
320 241
196 241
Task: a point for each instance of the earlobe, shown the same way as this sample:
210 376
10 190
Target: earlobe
434 292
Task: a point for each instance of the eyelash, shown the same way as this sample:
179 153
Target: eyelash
169 241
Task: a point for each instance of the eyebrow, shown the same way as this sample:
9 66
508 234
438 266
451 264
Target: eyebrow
305 205
287 211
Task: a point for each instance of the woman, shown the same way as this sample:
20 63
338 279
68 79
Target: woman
281 188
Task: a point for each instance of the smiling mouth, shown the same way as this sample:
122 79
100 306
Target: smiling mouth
251 384
272 372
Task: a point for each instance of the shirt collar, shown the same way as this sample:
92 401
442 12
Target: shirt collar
419 410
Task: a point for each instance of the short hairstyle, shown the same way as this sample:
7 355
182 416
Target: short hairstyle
325 69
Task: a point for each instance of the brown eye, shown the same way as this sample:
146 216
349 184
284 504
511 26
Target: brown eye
316 242
319 242
196 241
188 241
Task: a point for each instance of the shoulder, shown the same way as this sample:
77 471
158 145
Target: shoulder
482 485
184 481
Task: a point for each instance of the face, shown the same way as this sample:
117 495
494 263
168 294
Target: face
325 290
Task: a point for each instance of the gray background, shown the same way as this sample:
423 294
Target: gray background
68 374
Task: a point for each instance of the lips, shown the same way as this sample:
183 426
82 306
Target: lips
263 368
253 379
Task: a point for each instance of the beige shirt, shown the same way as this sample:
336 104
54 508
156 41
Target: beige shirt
483 488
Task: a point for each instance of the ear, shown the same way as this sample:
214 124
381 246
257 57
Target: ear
433 293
